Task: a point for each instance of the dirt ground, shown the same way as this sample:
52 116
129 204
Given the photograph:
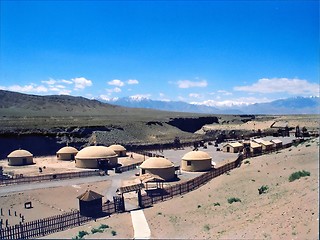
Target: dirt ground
288 210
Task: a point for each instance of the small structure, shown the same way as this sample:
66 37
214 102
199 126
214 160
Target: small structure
149 178
233 147
120 150
90 203
255 148
159 166
196 161
20 157
67 153
277 144
96 157
266 145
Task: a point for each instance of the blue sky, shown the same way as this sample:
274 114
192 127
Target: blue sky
212 52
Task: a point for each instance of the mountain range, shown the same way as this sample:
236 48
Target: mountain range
294 105
18 104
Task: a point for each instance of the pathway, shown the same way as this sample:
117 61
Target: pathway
140 225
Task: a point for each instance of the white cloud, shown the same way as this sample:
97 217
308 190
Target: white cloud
31 88
50 81
278 85
190 84
132 81
66 81
223 92
116 82
81 83
64 92
116 90
194 95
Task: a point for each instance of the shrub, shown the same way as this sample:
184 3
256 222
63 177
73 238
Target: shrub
298 175
263 189
114 233
81 234
206 227
216 204
95 230
199 206
246 162
103 226
233 199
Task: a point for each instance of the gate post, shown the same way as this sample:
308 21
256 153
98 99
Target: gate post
139 199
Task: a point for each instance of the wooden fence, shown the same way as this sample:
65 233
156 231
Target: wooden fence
179 189
50 225
128 167
48 177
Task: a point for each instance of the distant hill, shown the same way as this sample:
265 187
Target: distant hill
177 106
19 104
296 105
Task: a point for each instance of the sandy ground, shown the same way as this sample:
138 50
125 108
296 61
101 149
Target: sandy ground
288 210
46 202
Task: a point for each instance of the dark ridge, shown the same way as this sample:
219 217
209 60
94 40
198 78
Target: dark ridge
192 124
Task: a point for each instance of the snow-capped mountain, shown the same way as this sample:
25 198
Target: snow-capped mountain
295 105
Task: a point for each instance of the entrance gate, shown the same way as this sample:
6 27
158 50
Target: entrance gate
119 200
119 203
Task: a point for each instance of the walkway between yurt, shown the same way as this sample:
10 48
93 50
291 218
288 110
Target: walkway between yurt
140 225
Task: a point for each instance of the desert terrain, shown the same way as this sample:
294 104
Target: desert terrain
287 210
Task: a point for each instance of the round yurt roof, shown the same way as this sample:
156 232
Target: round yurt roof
156 162
67 149
20 153
196 155
95 152
117 147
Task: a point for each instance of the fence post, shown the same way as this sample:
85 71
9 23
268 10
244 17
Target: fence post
78 218
21 231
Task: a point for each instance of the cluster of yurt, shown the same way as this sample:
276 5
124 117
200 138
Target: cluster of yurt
163 169
93 157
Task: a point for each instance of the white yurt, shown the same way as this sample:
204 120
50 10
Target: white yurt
96 157
20 157
196 161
